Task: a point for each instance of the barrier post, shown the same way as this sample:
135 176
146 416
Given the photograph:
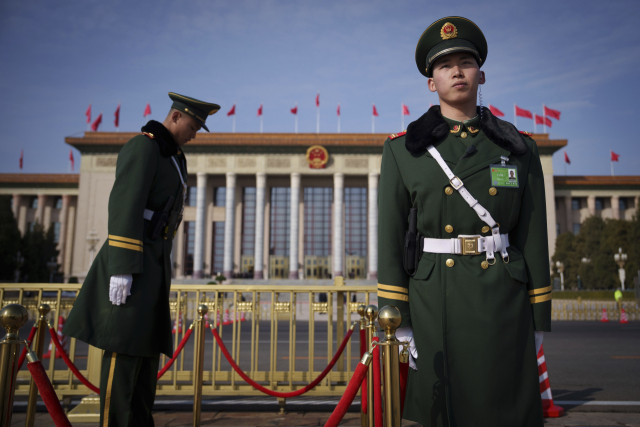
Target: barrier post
372 314
339 281
12 318
390 319
363 326
38 349
199 365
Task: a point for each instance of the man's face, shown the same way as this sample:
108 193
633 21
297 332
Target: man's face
183 127
456 77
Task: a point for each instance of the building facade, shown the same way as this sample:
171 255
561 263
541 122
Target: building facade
273 206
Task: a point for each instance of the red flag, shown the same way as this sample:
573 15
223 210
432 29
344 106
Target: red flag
116 121
523 113
566 158
147 110
71 158
96 123
543 120
375 112
614 157
338 109
88 114
495 111
405 110
260 110
554 114
21 157
318 99
294 110
232 112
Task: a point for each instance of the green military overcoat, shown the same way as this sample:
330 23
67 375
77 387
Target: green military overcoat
473 326
145 179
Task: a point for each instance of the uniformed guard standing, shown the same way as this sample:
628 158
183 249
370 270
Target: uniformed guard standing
123 306
463 246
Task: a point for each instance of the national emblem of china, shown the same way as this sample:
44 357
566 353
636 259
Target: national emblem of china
448 31
317 157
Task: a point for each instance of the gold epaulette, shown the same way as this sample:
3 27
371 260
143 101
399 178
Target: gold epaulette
150 135
397 135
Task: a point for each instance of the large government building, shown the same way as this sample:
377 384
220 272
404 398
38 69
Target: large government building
271 206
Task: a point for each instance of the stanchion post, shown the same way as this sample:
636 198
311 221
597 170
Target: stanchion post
199 365
372 314
38 349
362 309
12 318
390 320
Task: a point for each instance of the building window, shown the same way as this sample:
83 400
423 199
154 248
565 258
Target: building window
220 196
248 220
34 203
56 231
31 226
279 221
58 203
576 227
189 246
575 204
317 220
599 204
557 229
217 261
192 196
622 204
355 204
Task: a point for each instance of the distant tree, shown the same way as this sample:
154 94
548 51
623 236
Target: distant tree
38 247
566 254
9 240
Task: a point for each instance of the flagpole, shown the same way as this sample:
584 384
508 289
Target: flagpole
402 116
261 123
318 119
611 167
233 126
338 117
535 123
296 117
544 120
515 117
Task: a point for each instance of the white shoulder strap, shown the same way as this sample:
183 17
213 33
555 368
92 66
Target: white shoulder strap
457 184
184 184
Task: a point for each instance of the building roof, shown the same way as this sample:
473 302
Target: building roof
40 178
597 181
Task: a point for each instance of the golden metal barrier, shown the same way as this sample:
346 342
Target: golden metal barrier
38 348
589 310
372 313
12 318
199 355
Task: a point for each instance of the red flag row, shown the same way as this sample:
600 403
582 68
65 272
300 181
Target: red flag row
294 110
98 121
614 157
71 159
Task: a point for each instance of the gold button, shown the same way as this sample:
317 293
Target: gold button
448 191
484 264
486 229
463 135
450 262
493 191
448 229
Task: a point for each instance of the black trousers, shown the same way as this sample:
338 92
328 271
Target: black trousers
127 390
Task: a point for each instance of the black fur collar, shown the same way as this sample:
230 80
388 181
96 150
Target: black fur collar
163 137
431 128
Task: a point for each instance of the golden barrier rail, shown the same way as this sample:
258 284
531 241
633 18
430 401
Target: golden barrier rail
582 310
311 328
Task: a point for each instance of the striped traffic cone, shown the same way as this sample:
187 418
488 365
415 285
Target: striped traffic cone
550 410
177 325
226 320
604 317
623 316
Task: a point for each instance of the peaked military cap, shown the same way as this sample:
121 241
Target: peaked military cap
448 35
199 110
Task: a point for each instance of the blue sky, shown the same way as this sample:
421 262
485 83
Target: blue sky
580 57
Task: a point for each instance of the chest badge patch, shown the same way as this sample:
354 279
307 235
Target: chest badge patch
504 176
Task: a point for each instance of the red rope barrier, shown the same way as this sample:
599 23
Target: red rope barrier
363 389
347 398
32 334
72 367
48 395
273 393
404 375
177 352
377 385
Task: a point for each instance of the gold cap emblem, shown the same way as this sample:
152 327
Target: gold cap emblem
448 31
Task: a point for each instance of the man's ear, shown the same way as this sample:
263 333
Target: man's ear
482 79
176 116
431 84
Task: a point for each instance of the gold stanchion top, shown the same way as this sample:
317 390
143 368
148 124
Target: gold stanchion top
371 312
44 309
389 319
12 318
362 309
203 309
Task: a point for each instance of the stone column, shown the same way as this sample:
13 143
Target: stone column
568 207
42 199
16 205
227 268
68 251
199 237
615 207
293 225
591 205
338 226
63 227
372 238
261 179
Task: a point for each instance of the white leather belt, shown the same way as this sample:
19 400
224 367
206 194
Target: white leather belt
466 245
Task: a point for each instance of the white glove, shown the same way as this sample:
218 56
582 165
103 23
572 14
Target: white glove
406 334
120 288
538 337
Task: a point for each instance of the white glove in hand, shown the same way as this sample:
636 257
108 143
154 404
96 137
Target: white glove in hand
538 337
406 334
120 288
